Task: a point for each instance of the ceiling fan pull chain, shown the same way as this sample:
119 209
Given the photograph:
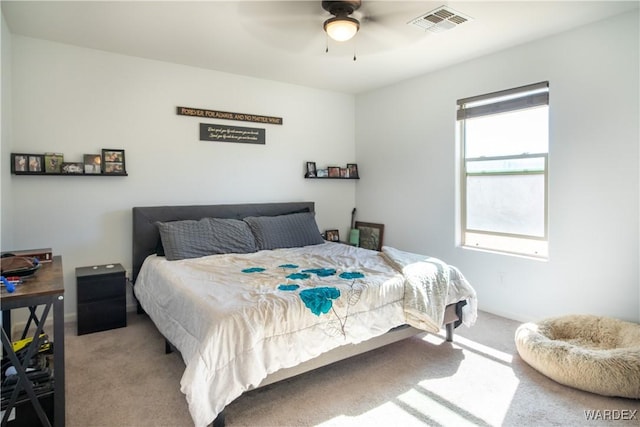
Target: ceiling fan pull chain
355 45
327 48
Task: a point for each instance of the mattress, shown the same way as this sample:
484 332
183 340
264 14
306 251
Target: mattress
236 318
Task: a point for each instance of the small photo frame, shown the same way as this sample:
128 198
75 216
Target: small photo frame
53 162
311 170
332 235
92 164
334 172
370 235
323 173
19 163
113 162
353 170
72 168
35 163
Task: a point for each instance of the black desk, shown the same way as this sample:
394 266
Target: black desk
45 288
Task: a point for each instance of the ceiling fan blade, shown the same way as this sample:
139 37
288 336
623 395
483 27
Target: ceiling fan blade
283 9
286 25
383 25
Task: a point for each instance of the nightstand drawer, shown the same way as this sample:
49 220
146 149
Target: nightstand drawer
101 287
102 316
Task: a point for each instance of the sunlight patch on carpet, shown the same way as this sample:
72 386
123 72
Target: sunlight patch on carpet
487 402
388 413
433 338
473 346
433 412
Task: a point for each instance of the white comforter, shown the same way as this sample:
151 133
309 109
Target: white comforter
430 286
237 318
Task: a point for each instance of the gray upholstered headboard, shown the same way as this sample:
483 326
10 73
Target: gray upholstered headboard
146 235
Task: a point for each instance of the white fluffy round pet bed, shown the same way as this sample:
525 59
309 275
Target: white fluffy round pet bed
592 353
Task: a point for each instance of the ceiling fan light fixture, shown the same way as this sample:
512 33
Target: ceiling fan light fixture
341 28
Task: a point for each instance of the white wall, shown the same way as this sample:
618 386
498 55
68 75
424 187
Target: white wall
66 99
5 128
406 148
76 101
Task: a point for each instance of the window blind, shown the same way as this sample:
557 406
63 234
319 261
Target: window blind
507 100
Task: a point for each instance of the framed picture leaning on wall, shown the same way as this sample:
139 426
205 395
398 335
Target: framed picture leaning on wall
311 170
75 168
370 235
92 164
27 163
35 163
353 170
19 163
332 235
53 162
113 162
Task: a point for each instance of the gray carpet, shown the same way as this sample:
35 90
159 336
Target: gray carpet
123 378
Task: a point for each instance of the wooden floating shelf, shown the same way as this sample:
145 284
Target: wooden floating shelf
68 174
328 177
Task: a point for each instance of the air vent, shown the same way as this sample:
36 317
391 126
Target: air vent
440 19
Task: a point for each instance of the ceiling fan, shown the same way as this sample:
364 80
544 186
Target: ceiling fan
295 26
342 26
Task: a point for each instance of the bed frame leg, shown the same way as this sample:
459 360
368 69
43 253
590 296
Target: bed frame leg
449 327
219 421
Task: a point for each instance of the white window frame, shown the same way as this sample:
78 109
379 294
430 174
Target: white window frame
490 104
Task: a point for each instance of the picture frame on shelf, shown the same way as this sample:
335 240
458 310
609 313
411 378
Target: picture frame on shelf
74 168
113 162
323 173
353 170
53 162
332 235
344 173
92 164
19 163
36 162
371 235
311 170
334 171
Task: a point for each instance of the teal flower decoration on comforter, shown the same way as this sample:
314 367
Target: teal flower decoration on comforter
351 275
321 272
288 266
253 270
319 300
298 276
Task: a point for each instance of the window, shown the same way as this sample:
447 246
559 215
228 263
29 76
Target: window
505 150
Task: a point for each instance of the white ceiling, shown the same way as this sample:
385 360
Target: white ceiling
284 40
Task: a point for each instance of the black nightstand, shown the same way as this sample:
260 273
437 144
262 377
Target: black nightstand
102 300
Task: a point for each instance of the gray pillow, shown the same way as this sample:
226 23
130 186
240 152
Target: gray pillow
285 231
208 236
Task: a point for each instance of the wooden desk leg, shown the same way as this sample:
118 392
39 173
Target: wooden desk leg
21 368
58 361
6 323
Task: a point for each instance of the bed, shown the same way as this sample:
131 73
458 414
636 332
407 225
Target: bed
251 294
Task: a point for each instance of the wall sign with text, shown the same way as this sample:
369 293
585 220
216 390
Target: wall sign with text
226 115
213 132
